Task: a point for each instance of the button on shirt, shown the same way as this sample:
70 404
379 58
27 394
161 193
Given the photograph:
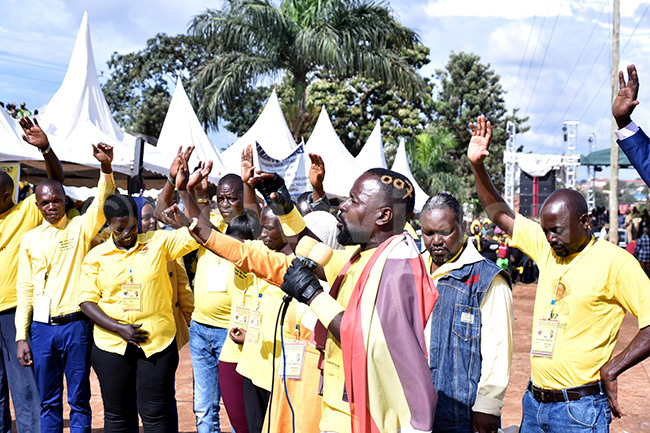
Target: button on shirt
50 259
14 223
107 267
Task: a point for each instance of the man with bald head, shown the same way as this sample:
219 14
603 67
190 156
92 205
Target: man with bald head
15 220
585 288
49 270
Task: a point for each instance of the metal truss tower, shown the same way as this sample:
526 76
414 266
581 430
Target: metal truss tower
510 161
591 177
571 159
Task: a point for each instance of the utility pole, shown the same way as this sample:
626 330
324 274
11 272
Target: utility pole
613 179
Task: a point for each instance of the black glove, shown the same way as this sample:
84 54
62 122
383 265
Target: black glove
300 282
282 205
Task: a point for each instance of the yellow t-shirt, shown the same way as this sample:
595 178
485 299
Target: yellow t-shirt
336 411
18 220
107 267
50 259
257 358
597 286
243 291
211 297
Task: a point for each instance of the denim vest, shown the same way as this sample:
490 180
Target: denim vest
455 353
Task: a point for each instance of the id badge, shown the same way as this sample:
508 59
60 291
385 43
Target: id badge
254 326
131 297
218 278
295 355
544 338
241 318
41 312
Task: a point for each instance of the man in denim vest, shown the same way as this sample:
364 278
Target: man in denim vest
470 331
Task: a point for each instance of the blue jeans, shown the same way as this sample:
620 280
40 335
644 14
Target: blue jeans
589 414
59 350
19 380
205 346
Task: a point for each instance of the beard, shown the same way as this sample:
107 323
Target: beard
350 237
440 261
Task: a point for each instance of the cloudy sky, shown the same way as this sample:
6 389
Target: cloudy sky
554 57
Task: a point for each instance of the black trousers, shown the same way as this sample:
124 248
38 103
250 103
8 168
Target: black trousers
256 400
132 384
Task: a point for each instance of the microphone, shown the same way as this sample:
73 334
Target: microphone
313 253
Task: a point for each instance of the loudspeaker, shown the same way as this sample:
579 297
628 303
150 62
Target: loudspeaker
534 191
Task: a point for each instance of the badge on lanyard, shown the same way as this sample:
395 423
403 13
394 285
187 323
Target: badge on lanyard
254 327
294 353
131 297
544 338
218 277
241 318
41 311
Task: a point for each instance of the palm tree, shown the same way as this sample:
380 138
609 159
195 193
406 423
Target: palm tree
253 40
430 164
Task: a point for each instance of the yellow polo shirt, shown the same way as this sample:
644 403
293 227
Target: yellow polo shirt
107 267
336 410
15 222
211 297
598 285
50 259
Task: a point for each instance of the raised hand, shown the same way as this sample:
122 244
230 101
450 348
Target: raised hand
173 170
317 171
183 172
104 154
34 135
247 168
626 101
198 182
477 150
274 191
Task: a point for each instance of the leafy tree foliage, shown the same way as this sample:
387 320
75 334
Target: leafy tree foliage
138 90
466 89
251 40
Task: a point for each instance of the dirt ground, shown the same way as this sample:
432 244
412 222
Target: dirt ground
634 385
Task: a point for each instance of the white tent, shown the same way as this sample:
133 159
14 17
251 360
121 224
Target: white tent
401 165
341 169
270 130
78 115
182 128
12 146
372 154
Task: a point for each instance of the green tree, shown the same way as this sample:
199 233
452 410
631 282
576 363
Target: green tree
355 104
466 89
252 40
138 89
427 157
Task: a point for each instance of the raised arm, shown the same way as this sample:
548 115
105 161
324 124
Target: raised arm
316 177
197 186
626 101
192 208
35 136
166 196
247 173
491 200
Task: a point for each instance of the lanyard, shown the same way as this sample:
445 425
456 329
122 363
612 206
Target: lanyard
563 273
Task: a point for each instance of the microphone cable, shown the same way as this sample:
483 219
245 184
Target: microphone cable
282 312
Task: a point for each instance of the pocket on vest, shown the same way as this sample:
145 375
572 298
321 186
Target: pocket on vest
467 322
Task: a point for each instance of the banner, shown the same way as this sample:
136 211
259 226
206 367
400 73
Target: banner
294 169
13 170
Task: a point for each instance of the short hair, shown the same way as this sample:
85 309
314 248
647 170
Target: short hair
232 180
572 199
395 187
51 183
245 226
444 200
117 206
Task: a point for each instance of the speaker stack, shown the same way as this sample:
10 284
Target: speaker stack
534 191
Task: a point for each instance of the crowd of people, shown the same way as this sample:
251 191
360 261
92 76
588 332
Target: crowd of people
303 321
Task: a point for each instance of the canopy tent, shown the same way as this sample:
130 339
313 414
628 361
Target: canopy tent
270 130
602 157
401 165
12 146
341 169
533 164
372 153
78 115
275 151
182 127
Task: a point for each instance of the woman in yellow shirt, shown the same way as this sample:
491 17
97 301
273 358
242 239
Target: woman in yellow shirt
127 293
